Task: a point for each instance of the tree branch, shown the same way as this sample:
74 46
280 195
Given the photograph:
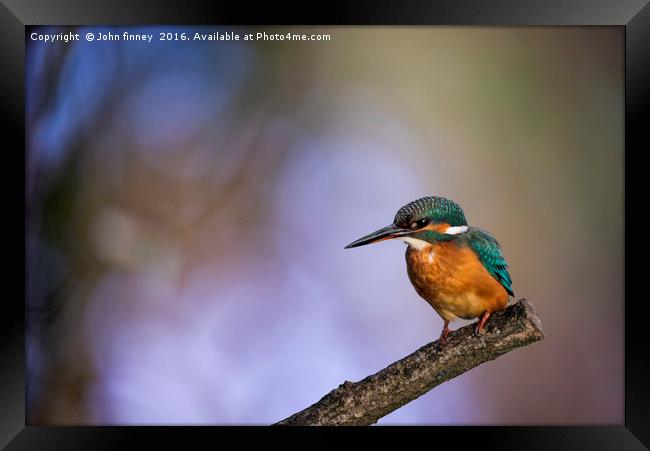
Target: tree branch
364 402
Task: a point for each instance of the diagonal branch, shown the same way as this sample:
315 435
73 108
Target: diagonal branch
364 402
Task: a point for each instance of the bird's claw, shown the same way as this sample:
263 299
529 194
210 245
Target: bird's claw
443 336
480 326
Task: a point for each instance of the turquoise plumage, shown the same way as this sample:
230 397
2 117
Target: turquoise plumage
489 253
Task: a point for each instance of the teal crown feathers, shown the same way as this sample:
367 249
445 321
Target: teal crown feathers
436 208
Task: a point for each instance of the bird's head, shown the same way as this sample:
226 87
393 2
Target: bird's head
422 221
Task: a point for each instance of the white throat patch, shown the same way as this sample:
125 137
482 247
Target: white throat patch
455 230
415 243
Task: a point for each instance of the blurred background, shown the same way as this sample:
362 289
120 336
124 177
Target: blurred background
188 204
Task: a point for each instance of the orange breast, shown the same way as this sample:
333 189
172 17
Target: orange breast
452 279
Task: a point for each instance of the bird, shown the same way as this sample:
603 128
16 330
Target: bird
460 270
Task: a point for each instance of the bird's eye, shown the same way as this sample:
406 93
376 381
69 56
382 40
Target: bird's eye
419 223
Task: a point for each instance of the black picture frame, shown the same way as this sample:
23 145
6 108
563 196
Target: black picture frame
634 15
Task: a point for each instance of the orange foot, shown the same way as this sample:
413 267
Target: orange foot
481 324
445 332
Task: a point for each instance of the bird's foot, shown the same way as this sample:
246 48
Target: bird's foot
443 336
480 327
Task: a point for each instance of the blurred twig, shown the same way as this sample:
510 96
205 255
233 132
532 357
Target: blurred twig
363 403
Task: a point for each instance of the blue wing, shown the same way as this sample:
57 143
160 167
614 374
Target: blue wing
489 253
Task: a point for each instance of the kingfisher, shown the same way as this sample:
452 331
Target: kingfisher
458 269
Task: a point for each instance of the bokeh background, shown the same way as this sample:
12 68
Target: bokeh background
188 204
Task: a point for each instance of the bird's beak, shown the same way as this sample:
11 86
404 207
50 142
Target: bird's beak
387 233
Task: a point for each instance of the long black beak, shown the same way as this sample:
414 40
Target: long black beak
392 231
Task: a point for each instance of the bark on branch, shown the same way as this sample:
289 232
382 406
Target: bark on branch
363 403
